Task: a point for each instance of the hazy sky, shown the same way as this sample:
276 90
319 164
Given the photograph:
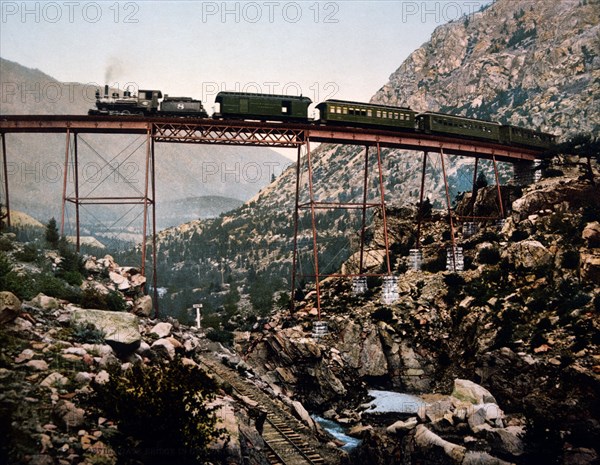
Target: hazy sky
342 49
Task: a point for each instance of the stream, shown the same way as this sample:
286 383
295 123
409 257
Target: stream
382 402
338 432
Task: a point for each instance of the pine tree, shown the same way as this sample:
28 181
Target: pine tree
52 236
481 181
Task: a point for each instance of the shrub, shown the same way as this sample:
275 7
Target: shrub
87 333
164 408
20 285
52 286
28 254
74 278
6 244
92 298
220 335
115 302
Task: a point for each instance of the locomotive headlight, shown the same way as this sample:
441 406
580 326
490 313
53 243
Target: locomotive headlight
145 103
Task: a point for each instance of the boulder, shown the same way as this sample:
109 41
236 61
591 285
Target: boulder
435 449
121 330
164 348
591 234
529 255
25 355
44 302
303 415
92 266
10 307
161 329
590 267
507 441
482 458
69 414
469 391
39 365
54 380
400 425
372 358
143 306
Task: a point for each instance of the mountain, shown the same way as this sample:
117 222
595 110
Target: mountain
510 62
193 208
182 171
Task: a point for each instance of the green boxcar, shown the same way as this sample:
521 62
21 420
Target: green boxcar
365 114
264 107
527 137
430 122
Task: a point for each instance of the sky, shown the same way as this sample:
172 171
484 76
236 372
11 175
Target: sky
321 49
341 49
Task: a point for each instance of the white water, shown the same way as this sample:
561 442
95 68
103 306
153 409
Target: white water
338 432
389 401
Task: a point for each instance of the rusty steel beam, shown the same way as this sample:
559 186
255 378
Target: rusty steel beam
35 124
423 142
498 188
5 172
226 134
65 177
421 197
76 170
383 212
311 194
230 132
296 221
363 227
154 266
340 205
107 200
344 275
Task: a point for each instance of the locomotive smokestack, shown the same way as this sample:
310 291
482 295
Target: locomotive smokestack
106 91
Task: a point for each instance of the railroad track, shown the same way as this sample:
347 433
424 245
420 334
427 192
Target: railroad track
285 437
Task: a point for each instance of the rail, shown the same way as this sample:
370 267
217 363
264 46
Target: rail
286 446
262 134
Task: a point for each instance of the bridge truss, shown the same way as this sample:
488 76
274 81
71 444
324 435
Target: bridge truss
257 134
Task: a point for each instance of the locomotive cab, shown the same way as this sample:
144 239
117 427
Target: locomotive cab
148 100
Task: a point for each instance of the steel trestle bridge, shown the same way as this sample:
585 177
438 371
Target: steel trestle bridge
256 134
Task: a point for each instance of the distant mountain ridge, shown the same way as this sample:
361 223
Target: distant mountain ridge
182 170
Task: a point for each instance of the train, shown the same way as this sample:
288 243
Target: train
295 109
146 103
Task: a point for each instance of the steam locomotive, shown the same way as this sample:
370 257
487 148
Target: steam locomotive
285 108
146 103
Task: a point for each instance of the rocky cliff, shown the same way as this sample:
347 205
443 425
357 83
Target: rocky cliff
522 320
531 63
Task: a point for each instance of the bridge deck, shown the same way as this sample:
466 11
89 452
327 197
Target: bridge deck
251 133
